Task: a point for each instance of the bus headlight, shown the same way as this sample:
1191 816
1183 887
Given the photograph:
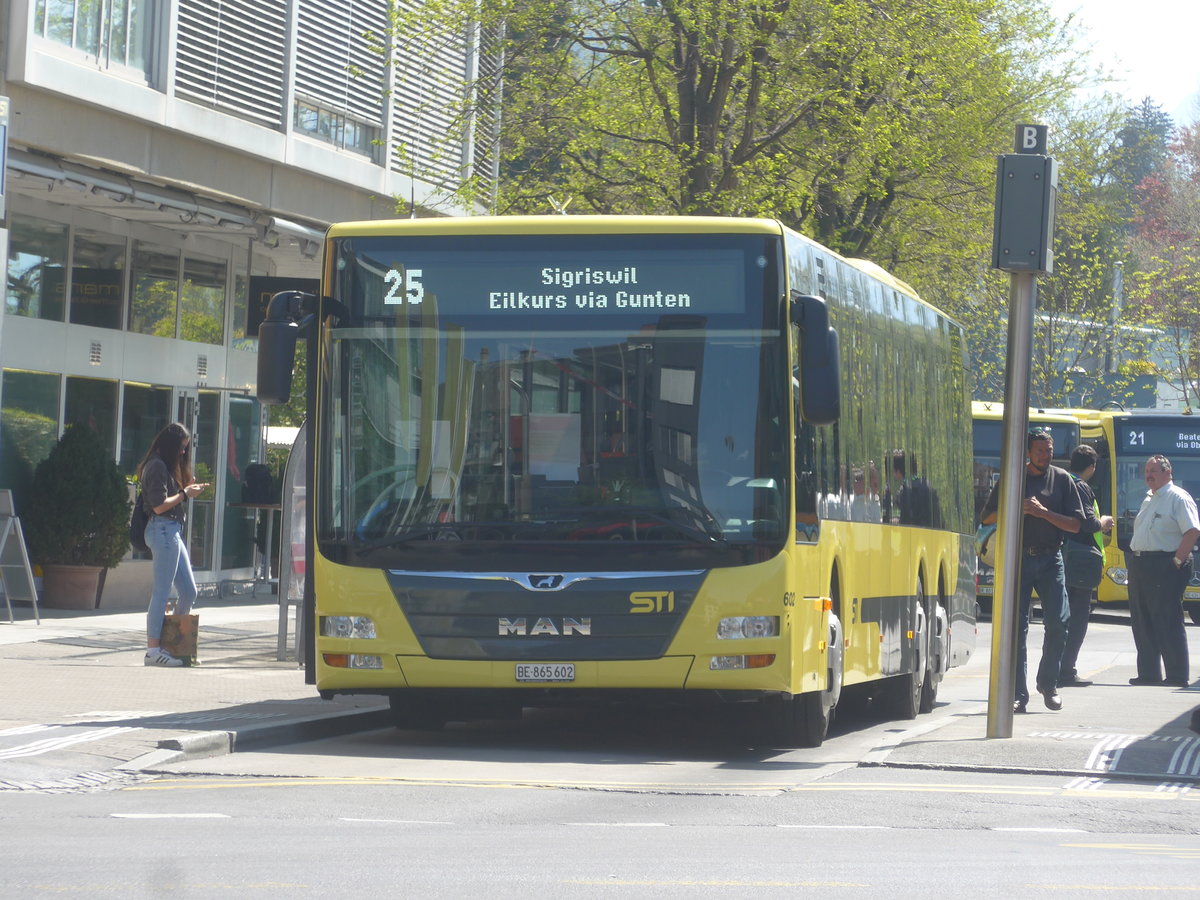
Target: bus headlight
347 627
737 627
1117 575
758 661
353 660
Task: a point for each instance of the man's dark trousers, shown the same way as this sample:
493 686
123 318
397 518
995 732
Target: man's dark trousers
1156 614
1043 573
1079 601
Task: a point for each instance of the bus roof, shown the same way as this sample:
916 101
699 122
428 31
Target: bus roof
594 224
558 225
988 409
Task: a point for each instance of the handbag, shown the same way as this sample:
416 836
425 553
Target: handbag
179 634
137 526
1083 564
985 544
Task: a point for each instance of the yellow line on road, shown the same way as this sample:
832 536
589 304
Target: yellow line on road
233 782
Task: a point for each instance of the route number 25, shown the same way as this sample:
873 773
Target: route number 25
404 286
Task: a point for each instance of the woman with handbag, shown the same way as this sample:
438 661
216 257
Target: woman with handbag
165 475
1083 559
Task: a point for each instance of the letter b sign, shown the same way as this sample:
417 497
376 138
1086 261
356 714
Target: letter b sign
1031 139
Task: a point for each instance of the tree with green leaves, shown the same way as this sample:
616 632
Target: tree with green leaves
870 126
1166 289
837 116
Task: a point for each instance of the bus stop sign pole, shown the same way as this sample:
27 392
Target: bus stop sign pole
1026 182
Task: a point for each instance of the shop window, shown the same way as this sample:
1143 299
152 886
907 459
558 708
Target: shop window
145 412
205 448
155 277
242 338
93 402
117 33
97 279
202 301
243 440
28 428
37 265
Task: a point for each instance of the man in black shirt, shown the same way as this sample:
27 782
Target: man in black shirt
1051 507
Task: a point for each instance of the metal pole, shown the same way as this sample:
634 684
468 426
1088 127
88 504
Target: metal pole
1002 684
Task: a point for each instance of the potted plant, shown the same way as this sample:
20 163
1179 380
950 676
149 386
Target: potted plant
77 526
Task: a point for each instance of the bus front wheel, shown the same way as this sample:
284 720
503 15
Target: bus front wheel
902 693
802 720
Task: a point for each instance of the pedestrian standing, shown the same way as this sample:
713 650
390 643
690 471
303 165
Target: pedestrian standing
165 476
1051 508
1160 567
1079 598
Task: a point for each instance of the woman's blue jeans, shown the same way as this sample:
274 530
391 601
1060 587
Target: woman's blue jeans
172 566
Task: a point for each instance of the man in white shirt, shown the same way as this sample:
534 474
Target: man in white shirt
1160 567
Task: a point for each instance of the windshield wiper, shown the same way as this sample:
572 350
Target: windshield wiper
704 531
416 534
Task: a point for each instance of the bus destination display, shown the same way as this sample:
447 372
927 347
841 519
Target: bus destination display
551 284
1151 437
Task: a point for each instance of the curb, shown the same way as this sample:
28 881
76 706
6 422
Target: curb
1148 777
256 737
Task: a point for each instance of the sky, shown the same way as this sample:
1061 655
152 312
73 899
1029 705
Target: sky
1151 45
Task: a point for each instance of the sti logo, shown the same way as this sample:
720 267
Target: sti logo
652 602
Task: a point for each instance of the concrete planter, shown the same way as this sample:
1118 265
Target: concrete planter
72 587
128 585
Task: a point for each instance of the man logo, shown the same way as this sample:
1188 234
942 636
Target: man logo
544 626
545 582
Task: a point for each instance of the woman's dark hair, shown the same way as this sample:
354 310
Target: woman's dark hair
1083 456
174 445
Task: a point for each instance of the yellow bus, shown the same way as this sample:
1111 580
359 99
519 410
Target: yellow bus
558 458
986 438
1124 440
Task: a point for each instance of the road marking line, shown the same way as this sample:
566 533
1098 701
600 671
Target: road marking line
841 827
49 745
168 816
393 821
1186 760
1045 830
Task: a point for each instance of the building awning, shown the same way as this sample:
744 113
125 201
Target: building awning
143 198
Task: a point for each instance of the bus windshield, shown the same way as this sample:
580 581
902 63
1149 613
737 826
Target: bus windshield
987 438
1136 439
551 393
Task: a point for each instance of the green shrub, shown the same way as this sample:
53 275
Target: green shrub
79 510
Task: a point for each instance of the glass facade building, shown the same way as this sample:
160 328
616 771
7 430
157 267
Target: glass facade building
169 160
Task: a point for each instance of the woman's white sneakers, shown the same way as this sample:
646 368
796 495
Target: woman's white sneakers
156 656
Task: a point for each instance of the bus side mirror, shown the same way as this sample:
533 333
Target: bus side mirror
277 336
820 361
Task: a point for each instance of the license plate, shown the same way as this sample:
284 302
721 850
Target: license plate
545 671
984 590
1191 595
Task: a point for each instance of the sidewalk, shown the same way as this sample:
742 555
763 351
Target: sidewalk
78 679
1110 730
